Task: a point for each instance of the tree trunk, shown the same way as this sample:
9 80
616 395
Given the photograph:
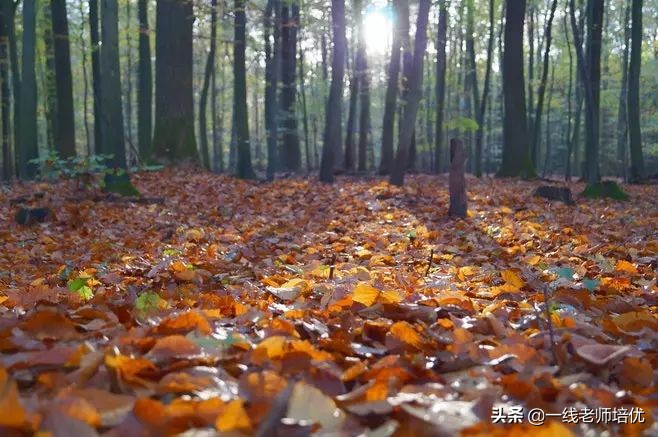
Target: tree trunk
516 157
350 129
290 155
481 104
85 81
272 72
173 137
567 138
457 181
28 148
240 111
536 130
531 73
128 81
5 16
49 86
440 83
364 89
635 135
414 83
622 121
94 34
302 89
332 127
203 100
112 128
144 85
65 132
547 157
392 87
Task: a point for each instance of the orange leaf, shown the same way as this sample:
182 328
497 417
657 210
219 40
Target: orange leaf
12 413
406 333
365 294
233 417
625 266
512 278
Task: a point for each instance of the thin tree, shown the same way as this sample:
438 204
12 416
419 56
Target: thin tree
272 71
332 128
7 169
47 85
112 128
414 81
536 130
440 83
203 100
28 148
94 34
65 132
240 111
85 81
480 103
290 152
622 112
364 91
144 84
173 136
351 123
516 157
392 88
635 135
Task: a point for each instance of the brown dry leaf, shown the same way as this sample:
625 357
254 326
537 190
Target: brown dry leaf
308 404
512 278
12 413
406 333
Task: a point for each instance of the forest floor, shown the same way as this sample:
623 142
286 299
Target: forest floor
292 306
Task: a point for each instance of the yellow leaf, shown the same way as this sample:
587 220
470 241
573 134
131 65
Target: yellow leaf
406 333
233 417
512 278
533 260
625 266
365 294
13 415
185 275
390 296
466 271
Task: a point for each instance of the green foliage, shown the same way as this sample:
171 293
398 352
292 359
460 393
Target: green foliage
148 301
118 182
462 124
605 189
79 286
87 171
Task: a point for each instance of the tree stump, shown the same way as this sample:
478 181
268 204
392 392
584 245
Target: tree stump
457 180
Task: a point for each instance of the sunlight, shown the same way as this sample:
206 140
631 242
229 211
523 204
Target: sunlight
378 31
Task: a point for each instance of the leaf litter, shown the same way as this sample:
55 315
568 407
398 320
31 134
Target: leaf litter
353 309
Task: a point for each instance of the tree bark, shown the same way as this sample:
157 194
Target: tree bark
144 84
173 137
290 153
272 72
65 132
622 120
440 83
28 148
203 99
94 34
48 84
240 111
536 131
332 129
481 104
414 82
7 168
457 180
364 90
516 157
112 128
350 129
635 135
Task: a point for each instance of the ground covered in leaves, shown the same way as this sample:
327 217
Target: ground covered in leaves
293 307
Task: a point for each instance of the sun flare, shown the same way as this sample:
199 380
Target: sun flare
377 28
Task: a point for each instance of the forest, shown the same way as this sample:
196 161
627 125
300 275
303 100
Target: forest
328 217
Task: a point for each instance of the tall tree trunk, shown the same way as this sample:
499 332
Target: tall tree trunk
536 130
290 155
414 88
94 34
351 126
203 100
128 82
28 148
240 111
471 81
65 132
85 81
547 157
302 89
5 16
622 121
440 83
272 72
516 157
364 89
481 104
49 86
635 135
112 128
144 84
332 127
567 137
173 137
392 88
531 71
591 78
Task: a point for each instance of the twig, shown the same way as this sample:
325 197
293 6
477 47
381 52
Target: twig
429 265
